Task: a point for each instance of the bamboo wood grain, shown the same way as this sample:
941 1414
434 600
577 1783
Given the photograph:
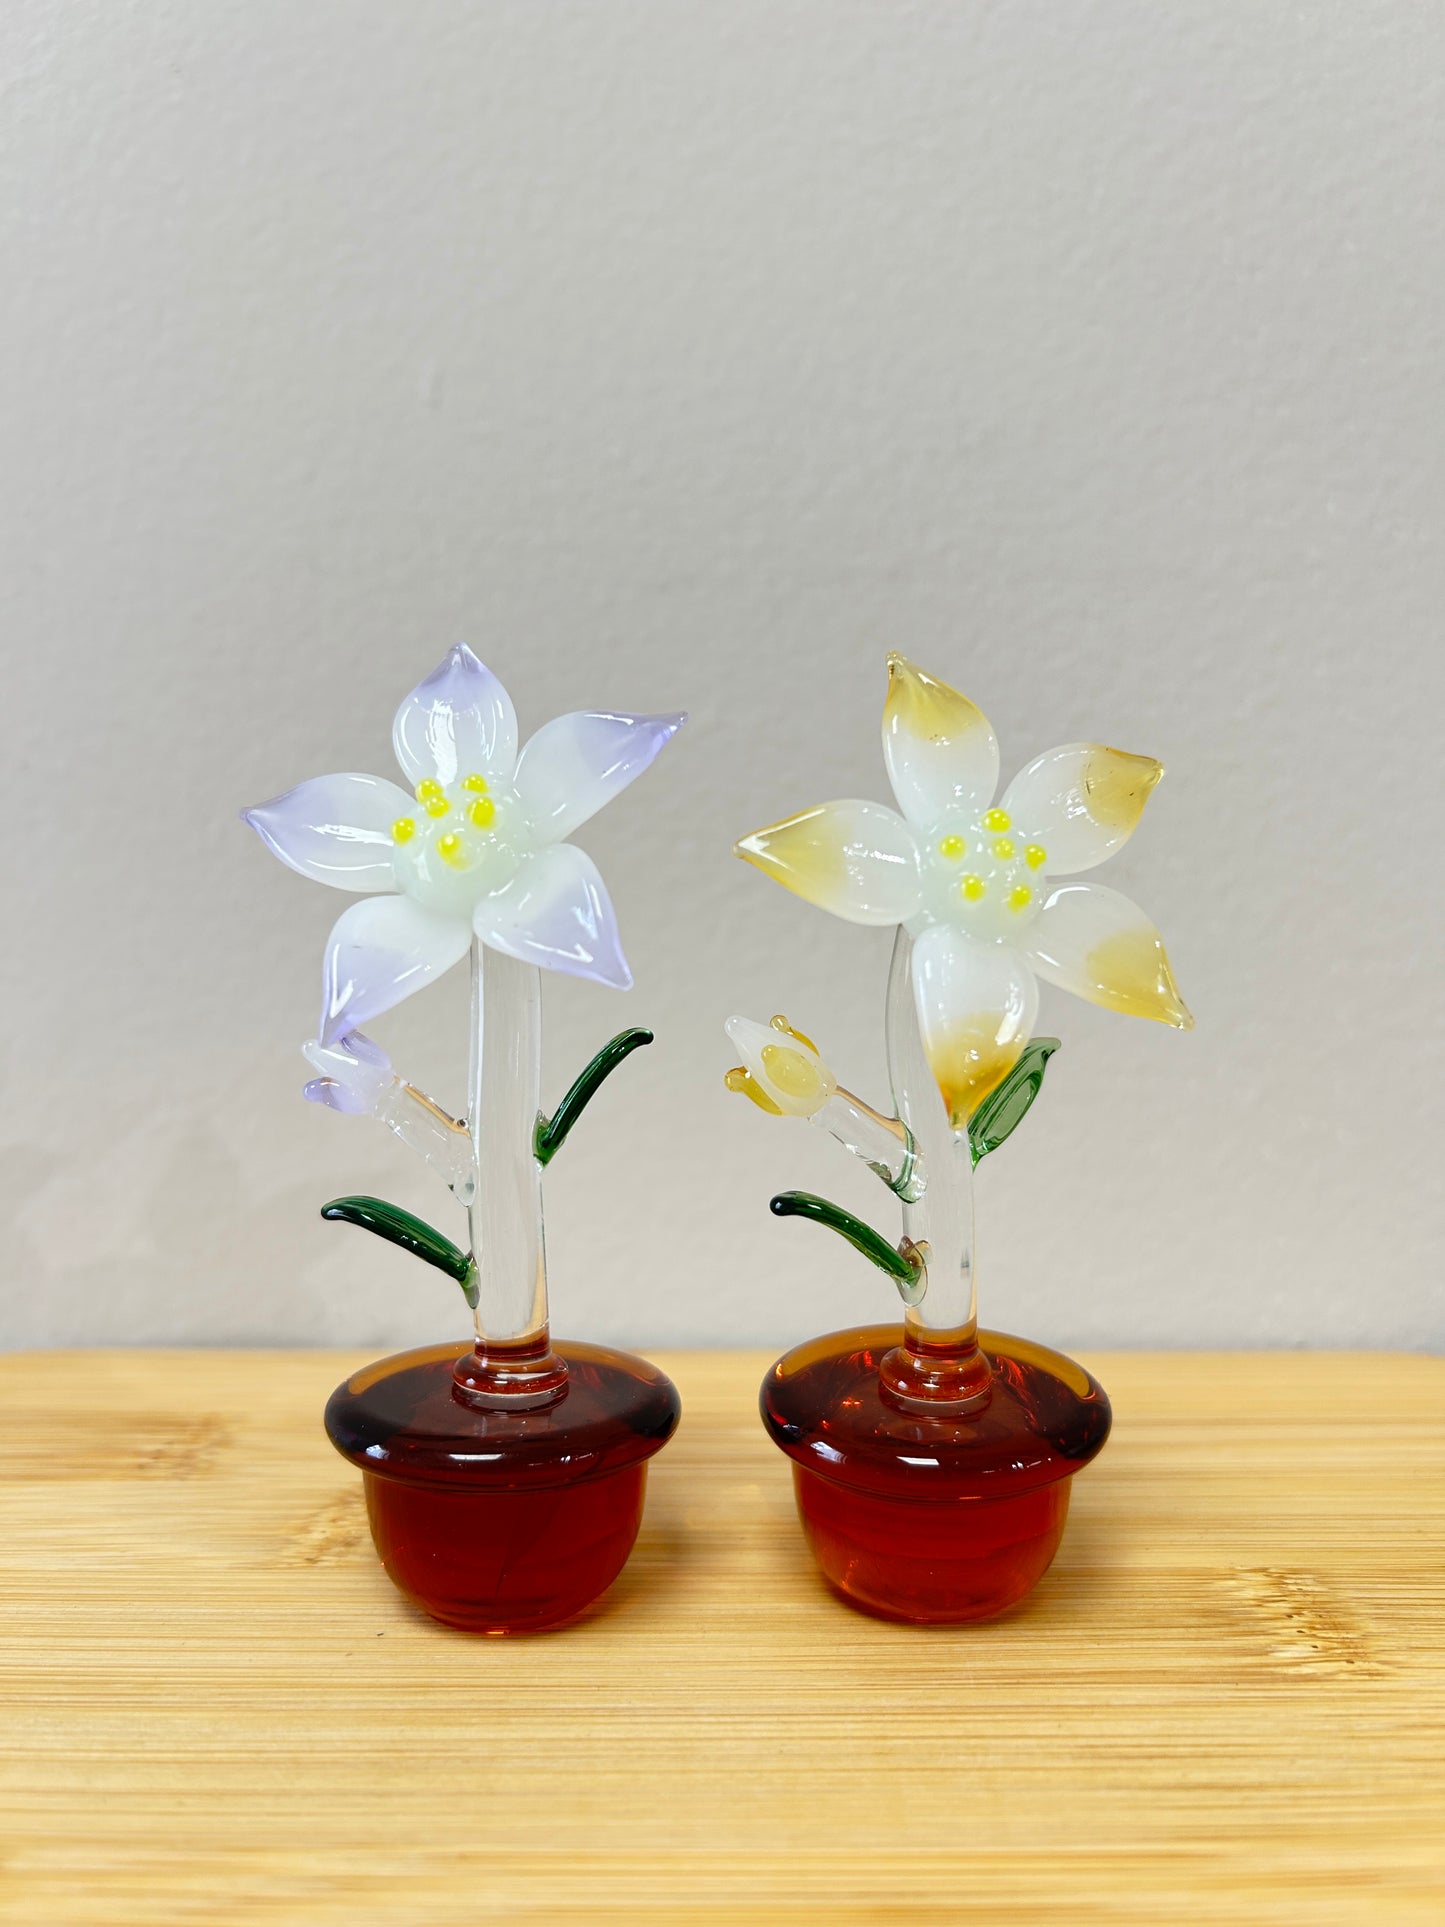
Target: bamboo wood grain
1225 1703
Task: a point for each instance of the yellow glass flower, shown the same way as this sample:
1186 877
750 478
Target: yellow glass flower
983 938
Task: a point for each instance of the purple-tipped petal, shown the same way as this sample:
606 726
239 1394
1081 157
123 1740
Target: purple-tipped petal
360 1069
334 829
380 952
556 912
357 1044
459 722
325 1090
575 764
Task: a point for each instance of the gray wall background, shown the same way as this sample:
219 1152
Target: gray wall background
690 354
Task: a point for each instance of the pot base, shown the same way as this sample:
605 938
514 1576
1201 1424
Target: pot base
898 1559
505 1562
503 1521
933 1520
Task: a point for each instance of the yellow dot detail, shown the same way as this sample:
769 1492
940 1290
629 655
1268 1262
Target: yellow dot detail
403 830
1020 897
973 888
794 1074
436 806
1036 856
1004 848
998 820
482 812
449 849
953 847
428 790
476 784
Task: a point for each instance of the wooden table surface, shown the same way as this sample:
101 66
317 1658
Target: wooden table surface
1225 1703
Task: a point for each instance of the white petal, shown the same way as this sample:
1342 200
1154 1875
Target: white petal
857 859
575 764
556 912
941 751
1078 803
380 952
1097 943
459 722
334 829
977 1005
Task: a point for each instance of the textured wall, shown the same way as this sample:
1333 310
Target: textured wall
678 354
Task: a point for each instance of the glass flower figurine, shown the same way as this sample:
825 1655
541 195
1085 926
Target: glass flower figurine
932 1463
504 1476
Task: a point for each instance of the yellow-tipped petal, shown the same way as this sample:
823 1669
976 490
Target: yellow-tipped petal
1097 943
977 1005
941 752
1081 801
746 1085
967 1063
857 859
1133 975
781 1023
1117 785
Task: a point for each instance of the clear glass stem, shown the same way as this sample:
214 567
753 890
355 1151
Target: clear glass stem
939 1217
503 1098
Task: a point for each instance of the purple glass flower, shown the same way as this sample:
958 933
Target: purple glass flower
478 848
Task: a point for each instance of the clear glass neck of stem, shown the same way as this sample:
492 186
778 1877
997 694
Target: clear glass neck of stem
940 1215
880 1142
503 1098
423 1127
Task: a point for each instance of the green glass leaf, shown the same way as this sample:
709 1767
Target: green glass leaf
413 1234
905 1271
551 1132
1006 1106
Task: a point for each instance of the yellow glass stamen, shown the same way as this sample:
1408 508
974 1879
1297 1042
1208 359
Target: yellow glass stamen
403 830
998 820
1036 856
436 806
428 789
953 847
973 887
482 812
476 784
449 849
1020 897
1004 848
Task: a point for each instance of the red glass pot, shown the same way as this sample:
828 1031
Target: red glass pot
932 1481
504 1490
